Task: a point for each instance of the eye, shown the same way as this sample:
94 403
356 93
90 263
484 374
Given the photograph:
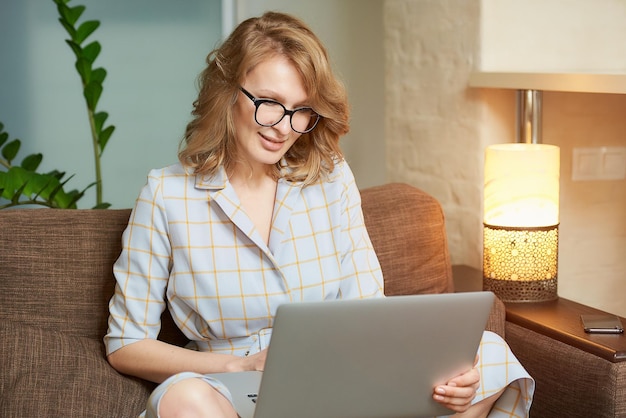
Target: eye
268 102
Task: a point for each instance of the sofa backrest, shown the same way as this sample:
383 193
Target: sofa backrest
56 264
56 267
407 228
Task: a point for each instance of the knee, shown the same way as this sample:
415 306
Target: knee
194 398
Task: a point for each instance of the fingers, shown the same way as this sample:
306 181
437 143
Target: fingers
459 392
458 399
470 378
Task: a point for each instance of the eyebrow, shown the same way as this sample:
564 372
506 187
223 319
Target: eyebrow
270 94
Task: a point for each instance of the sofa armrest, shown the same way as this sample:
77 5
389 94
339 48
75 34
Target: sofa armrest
549 340
468 279
570 382
576 375
42 372
497 318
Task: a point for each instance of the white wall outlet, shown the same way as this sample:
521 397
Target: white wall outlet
599 163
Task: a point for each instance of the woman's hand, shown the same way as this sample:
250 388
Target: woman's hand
254 362
458 393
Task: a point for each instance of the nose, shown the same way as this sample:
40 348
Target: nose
284 126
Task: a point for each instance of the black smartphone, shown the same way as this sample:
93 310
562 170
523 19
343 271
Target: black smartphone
602 324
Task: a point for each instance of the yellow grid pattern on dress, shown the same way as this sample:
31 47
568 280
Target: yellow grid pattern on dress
498 368
189 244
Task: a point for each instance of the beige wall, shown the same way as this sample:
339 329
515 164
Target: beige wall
433 138
437 129
592 258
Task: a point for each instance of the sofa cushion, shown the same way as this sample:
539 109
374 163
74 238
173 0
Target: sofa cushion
49 374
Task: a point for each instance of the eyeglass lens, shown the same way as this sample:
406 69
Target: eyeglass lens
269 113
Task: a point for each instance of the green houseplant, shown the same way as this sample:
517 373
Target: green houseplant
22 184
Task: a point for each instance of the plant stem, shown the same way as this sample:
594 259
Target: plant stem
96 155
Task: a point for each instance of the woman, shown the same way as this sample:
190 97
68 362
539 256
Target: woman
261 210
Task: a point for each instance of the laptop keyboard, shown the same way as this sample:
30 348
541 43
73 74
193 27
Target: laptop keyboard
253 396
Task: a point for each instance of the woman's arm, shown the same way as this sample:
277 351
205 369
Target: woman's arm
142 272
359 263
156 360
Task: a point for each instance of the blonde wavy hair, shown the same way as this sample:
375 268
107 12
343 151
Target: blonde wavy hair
209 140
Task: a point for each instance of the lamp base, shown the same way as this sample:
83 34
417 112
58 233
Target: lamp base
520 264
522 290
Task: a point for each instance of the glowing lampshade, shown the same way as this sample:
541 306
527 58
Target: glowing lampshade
521 219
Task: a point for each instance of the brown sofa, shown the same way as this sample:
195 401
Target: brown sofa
56 281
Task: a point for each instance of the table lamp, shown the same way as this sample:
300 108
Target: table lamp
521 221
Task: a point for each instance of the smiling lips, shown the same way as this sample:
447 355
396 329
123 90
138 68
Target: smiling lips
271 144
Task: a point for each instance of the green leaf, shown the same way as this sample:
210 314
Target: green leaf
92 94
91 51
89 186
4 186
16 196
73 197
56 173
65 199
84 69
15 182
68 28
104 137
99 119
1 126
31 163
35 184
52 195
3 137
10 150
98 74
63 10
103 205
73 14
50 188
85 29
70 14
78 51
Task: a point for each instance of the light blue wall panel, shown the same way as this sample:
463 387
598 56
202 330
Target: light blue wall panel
153 51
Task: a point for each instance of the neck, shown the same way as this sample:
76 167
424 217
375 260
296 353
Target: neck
250 176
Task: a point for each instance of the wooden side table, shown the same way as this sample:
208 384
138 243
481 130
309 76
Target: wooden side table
558 319
576 374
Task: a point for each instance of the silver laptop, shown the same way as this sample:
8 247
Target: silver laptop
363 358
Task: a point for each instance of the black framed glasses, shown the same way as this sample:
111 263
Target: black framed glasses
269 112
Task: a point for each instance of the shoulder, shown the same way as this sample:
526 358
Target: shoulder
338 185
171 175
341 174
342 179
171 171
